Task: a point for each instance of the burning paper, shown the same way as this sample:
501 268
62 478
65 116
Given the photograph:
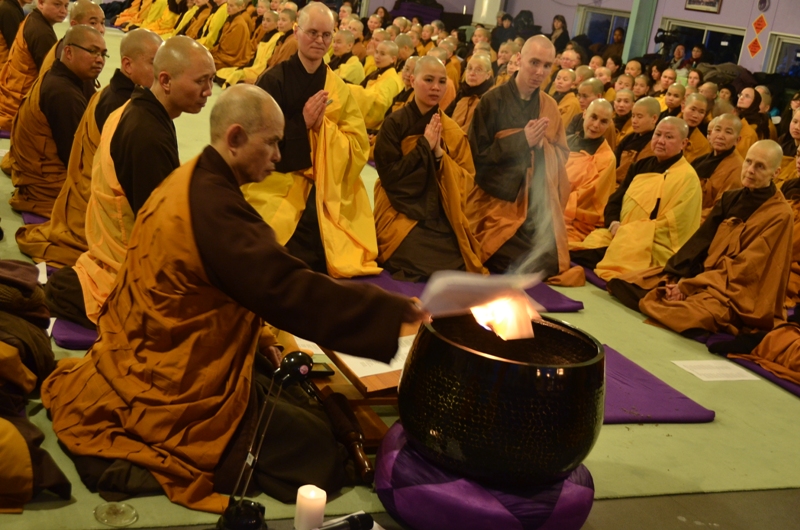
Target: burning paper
498 303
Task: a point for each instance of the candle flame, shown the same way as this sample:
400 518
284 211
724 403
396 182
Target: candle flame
509 317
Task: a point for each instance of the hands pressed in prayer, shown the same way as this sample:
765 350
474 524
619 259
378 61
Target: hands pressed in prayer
535 131
314 110
613 228
673 293
433 133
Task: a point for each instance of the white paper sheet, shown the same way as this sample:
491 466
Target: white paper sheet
365 367
308 345
717 371
50 327
42 272
449 293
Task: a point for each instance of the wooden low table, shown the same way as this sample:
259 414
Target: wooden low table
363 393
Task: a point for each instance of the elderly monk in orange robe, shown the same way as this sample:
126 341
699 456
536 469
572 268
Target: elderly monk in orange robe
477 82
520 152
652 214
34 39
591 171
182 402
424 167
693 112
138 149
233 47
731 275
720 170
636 146
316 201
45 126
62 239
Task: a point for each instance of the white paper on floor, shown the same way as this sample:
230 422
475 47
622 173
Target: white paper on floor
717 371
365 367
42 272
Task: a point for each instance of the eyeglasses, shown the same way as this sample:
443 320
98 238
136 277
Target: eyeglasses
314 35
95 53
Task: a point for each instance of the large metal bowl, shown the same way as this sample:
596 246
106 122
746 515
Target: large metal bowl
520 413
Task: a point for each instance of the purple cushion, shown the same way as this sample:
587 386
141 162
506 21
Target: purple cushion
594 279
426 497
787 385
73 336
29 218
5 134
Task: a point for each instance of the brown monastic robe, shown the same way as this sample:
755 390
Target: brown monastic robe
633 148
726 176
744 278
233 47
779 352
172 400
698 145
284 49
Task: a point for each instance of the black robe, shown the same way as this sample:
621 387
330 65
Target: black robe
63 102
411 184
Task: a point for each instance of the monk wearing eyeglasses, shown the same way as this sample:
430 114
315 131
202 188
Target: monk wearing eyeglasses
315 200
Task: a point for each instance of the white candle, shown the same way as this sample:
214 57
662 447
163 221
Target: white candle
310 510
465 9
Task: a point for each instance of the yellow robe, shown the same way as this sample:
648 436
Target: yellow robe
592 180
369 65
377 98
569 107
455 177
641 242
109 222
351 71
747 138
62 239
621 133
194 26
249 74
162 24
454 69
134 14
338 153
698 146
184 21
150 19
610 95
37 172
213 27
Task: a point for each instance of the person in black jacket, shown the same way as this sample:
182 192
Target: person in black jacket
560 36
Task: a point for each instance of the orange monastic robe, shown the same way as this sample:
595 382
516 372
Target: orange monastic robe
592 180
747 138
743 285
727 176
134 14
283 50
37 172
233 48
454 70
61 240
569 107
779 352
109 221
698 146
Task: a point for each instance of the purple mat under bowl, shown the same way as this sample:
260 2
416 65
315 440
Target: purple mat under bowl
634 395
594 279
794 388
5 134
73 336
426 497
552 300
29 218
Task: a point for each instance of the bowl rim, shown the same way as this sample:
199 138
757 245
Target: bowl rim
601 352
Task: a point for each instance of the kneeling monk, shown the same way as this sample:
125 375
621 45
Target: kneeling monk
177 399
732 274
653 212
591 169
424 166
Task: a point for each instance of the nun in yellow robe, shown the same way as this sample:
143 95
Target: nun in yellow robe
134 14
376 93
151 19
653 213
249 74
338 154
213 26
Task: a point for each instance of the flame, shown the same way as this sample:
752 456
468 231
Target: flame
509 317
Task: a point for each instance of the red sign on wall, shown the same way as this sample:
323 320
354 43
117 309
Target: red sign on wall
754 47
760 24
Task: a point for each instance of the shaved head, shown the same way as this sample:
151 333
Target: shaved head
595 85
600 105
390 47
84 12
290 5
439 53
403 40
79 35
679 124
536 60
246 105
584 72
696 97
761 164
732 119
346 35
139 42
772 150
539 41
177 53
429 62
677 87
315 9
650 105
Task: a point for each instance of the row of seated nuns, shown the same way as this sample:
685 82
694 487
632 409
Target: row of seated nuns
680 202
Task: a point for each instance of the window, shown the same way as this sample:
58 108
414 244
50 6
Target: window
783 54
723 44
599 24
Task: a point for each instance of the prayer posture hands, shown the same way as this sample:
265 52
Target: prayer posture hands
535 130
674 294
433 133
314 110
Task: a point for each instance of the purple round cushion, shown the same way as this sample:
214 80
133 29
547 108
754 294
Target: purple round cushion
426 497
